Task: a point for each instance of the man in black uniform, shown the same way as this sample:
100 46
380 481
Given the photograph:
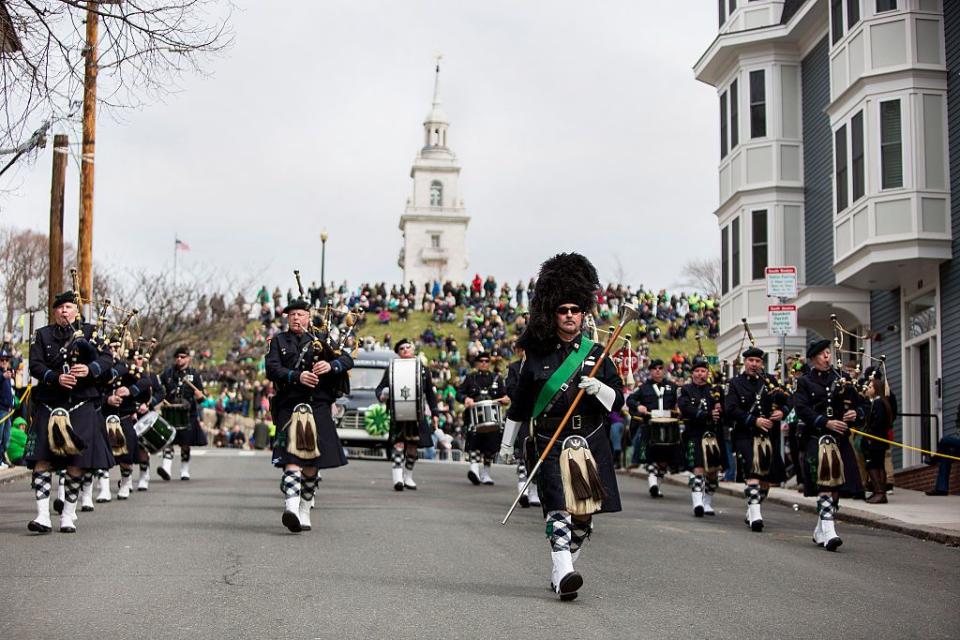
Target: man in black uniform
135 392
482 384
530 497
309 375
655 400
408 436
828 404
558 359
66 429
753 408
183 387
703 442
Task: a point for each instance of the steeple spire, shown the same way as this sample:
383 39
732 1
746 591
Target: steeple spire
436 83
436 123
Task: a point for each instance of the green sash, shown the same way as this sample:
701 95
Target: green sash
555 383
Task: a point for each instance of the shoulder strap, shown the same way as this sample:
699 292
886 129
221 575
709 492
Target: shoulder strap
557 383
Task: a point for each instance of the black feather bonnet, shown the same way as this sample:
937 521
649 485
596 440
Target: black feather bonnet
566 278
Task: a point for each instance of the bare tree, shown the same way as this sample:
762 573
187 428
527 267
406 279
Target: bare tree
703 275
144 47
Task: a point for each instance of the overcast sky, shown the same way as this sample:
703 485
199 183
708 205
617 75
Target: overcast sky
578 125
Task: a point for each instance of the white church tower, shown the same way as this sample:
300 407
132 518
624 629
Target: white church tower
434 225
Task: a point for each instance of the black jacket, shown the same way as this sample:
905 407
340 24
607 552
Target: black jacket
646 395
290 355
818 393
47 361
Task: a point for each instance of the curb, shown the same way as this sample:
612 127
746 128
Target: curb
13 474
853 516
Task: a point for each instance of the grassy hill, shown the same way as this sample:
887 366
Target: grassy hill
419 321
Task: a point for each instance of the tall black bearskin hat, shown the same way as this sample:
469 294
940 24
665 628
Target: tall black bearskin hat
566 278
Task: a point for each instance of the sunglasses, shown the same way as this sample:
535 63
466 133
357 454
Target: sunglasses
571 309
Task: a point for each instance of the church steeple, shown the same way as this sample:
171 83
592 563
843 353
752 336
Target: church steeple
435 124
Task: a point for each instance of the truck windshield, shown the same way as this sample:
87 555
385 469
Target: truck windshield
364 378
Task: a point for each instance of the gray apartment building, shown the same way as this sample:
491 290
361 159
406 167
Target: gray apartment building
839 124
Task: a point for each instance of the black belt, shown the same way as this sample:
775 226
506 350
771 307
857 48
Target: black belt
575 423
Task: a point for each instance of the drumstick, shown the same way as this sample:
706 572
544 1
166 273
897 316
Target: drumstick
191 385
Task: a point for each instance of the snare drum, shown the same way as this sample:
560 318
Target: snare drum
485 416
406 396
664 431
176 415
153 432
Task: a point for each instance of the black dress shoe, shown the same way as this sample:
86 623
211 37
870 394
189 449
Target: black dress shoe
86 509
524 501
474 478
569 584
291 521
655 492
937 492
163 473
398 486
36 527
58 506
698 512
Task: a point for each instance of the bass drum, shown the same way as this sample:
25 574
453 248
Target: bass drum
406 395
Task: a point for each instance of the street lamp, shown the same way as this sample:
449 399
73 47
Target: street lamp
323 264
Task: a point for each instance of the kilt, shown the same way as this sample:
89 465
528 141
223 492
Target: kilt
331 451
851 472
133 446
670 455
487 444
693 449
87 423
549 482
192 436
743 449
416 433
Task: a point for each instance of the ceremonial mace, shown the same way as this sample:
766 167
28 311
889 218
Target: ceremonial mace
630 314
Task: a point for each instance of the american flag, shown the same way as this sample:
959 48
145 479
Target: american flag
181 245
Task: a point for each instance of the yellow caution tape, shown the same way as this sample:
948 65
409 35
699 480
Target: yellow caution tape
23 397
905 446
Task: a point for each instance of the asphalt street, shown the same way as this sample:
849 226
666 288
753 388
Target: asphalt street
209 559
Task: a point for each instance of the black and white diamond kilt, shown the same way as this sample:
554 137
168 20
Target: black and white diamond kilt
486 444
416 433
549 483
692 443
811 467
308 487
291 484
331 452
558 530
192 436
41 482
133 446
825 507
743 449
71 487
89 426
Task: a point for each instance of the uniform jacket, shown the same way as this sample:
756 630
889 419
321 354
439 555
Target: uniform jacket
47 363
284 365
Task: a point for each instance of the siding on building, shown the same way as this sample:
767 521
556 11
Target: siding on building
885 311
950 271
817 167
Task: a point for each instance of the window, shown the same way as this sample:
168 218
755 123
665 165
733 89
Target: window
724 259
836 20
840 162
735 253
758 105
734 115
436 194
759 234
435 240
733 6
891 152
856 156
723 125
886 5
723 13
853 13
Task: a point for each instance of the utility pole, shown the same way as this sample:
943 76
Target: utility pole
55 282
85 240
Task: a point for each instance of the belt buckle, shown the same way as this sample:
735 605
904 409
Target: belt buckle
575 422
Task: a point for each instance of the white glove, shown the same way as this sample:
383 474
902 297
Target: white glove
593 387
506 451
510 429
590 385
384 395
